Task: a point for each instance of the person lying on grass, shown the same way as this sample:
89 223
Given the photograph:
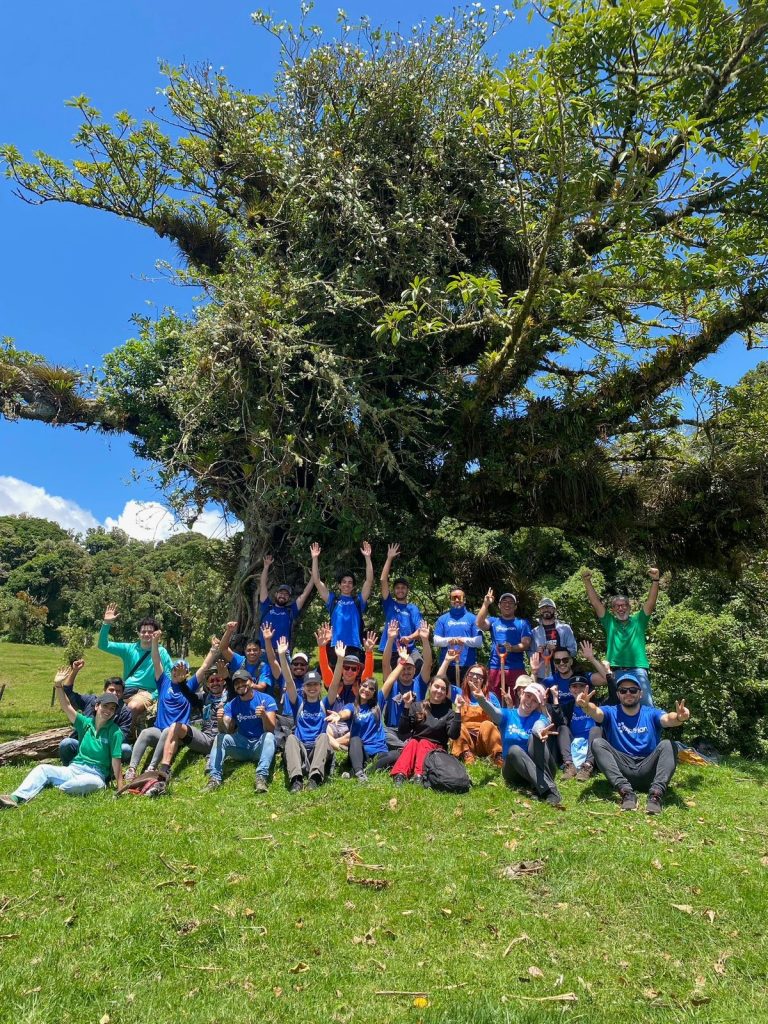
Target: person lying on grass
479 737
86 703
524 734
99 755
631 753
307 751
425 726
246 732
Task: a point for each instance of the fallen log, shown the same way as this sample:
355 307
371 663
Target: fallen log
35 747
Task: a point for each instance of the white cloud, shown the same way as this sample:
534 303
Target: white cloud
143 520
17 496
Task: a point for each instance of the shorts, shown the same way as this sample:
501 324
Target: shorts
144 698
198 742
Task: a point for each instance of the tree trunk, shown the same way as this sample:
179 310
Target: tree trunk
35 747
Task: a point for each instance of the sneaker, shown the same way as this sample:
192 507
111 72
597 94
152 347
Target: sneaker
584 774
296 786
399 780
313 784
553 798
417 780
628 800
569 771
361 777
212 784
261 785
654 803
6 800
129 775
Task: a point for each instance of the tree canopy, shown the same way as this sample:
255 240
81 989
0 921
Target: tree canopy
438 286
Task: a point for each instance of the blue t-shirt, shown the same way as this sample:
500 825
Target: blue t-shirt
408 615
458 622
280 617
392 706
563 685
310 720
249 724
637 735
346 614
516 729
260 672
368 724
507 631
173 701
580 722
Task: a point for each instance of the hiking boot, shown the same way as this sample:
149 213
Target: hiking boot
296 786
628 799
6 800
553 798
654 803
399 780
212 784
313 784
569 771
261 785
361 777
584 774
417 780
468 758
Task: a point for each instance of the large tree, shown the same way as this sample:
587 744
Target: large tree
436 285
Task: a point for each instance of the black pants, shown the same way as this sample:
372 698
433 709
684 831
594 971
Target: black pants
565 738
358 757
643 773
536 768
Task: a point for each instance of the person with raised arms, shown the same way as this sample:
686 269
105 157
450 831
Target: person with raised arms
549 634
98 757
138 671
307 749
86 703
524 734
280 612
367 739
631 753
246 727
251 660
509 634
563 671
345 608
402 680
396 606
625 633
575 730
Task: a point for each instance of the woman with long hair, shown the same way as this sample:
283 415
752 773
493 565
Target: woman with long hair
425 726
367 739
479 737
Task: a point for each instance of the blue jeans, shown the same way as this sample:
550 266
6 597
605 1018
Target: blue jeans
74 779
239 748
642 677
69 747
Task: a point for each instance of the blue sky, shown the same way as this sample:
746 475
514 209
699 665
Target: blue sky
72 278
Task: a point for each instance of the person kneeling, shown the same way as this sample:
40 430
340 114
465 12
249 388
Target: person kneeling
631 753
426 726
98 755
524 734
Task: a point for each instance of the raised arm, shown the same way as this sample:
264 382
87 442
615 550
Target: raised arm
111 615
323 637
208 661
393 631
482 616
584 701
268 633
492 712
367 587
264 578
157 663
587 652
393 550
426 651
290 682
229 631
304 596
653 594
592 595
392 678
333 689
314 550
674 719
58 681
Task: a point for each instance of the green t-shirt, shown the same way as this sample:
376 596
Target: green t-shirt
625 641
130 654
97 748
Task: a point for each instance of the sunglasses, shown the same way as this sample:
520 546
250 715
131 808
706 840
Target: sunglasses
629 689
561 661
350 668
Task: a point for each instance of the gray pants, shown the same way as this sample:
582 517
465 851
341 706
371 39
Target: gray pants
195 741
311 761
394 742
643 773
536 767
147 738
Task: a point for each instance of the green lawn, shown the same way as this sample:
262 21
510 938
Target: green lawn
231 907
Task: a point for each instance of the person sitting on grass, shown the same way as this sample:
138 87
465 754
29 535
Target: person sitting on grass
524 734
343 683
345 608
478 737
173 705
562 671
307 750
402 680
246 732
181 731
425 726
631 753
367 740
98 757
575 731
138 671
86 703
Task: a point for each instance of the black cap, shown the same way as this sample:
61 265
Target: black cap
242 674
579 677
401 579
312 677
285 586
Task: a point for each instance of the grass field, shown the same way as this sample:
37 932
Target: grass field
230 907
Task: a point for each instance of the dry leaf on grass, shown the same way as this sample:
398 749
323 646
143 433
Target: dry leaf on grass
300 968
535 972
684 908
520 938
393 804
719 966
565 997
188 927
523 869
656 863
105 1019
364 940
370 883
710 916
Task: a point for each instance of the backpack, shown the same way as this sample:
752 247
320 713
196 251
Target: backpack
445 773
147 784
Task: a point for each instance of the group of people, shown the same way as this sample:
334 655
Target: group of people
532 710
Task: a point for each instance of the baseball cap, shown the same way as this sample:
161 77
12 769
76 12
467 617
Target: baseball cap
351 659
181 661
538 692
107 698
627 675
300 654
285 586
312 677
579 677
408 660
242 674
507 594
401 579
547 602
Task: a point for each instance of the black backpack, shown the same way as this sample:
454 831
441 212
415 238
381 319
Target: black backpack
444 772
